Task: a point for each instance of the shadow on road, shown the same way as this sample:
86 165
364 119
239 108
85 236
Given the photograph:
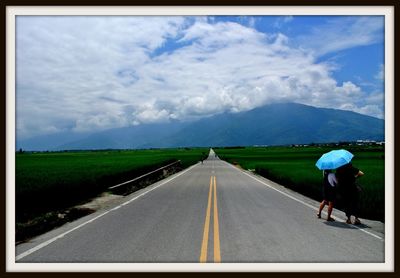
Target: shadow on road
344 225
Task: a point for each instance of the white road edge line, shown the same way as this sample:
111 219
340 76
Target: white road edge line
300 201
44 244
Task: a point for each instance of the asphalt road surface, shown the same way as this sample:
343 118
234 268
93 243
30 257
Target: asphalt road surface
211 212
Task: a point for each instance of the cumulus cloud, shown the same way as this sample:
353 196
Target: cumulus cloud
93 73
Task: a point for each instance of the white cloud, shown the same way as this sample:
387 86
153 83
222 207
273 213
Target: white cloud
281 21
343 33
381 73
93 73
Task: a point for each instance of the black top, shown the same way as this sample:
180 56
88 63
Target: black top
346 176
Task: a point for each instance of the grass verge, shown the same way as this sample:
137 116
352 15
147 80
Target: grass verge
294 167
50 185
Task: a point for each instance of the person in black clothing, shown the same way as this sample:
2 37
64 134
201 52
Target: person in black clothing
329 190
346 176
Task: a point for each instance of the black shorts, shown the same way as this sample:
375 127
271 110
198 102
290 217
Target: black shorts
329 193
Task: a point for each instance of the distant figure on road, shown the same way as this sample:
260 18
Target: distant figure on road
203 157
329 193
347 175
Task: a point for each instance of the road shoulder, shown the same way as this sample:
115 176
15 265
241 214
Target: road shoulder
370 226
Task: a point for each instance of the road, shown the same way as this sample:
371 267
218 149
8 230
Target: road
211 212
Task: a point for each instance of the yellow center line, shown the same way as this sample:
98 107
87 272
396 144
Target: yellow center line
204 245
217 252
203 254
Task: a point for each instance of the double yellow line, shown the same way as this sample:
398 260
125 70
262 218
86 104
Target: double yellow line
204 245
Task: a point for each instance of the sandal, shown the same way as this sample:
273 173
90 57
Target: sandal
319 215
330 219
357 222
348 221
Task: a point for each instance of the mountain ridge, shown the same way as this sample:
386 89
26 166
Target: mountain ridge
273 124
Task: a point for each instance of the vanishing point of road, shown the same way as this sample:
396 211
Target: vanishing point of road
209 213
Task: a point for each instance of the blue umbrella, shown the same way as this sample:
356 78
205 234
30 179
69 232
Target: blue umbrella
334 159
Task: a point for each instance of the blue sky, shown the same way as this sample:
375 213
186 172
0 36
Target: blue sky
90 73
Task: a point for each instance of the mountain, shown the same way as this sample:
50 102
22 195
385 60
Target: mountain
141 136
49 142
274 124
280 124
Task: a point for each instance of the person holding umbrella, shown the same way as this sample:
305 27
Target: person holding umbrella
329 189
347 175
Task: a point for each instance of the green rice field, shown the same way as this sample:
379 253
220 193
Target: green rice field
294 167
56 180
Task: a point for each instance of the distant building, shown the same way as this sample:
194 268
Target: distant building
369 142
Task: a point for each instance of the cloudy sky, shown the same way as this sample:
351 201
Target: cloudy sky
90 73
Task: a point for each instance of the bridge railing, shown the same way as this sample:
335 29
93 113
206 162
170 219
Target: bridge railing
124 187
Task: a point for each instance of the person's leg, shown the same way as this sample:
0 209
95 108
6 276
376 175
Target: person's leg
330 209
321 207
347 208
355 209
